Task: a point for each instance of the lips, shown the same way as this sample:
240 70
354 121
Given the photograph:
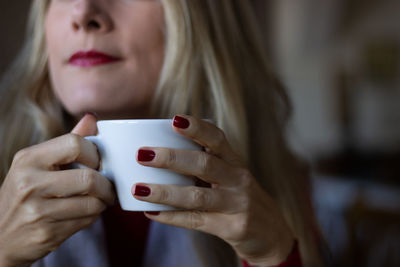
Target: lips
91 58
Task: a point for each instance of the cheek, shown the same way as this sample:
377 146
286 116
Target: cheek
144 42
53 33
53 54
54 36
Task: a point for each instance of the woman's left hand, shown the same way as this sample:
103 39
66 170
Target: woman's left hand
235 208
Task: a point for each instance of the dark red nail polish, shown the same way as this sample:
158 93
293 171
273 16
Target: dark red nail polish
146 155
142 191
93 114
181 122
153 213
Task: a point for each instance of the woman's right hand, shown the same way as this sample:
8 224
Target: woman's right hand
42 205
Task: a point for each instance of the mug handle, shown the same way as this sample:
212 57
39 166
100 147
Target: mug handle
95 139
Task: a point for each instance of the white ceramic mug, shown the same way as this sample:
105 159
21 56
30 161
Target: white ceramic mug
118 142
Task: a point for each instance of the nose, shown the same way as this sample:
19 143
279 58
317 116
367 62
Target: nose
90 16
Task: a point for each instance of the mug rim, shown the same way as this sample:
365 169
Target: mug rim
133 121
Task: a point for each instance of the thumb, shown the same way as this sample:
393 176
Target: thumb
86 126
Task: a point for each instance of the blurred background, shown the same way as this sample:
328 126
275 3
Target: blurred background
340 60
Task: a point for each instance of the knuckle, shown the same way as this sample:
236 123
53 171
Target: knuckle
43 236
98 206
205 163
171 158
75 145
200 199
164 195
219 139
24 184
195 127
196 220
245 177
94 206
33 212
21 156
110 193
87 179
169 216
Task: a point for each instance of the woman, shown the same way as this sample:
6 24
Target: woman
149 59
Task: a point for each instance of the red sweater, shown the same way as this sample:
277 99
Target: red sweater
126 235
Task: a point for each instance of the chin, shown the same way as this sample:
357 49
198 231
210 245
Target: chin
107 102
106 112
79 101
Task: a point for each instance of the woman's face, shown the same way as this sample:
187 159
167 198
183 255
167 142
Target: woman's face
105 56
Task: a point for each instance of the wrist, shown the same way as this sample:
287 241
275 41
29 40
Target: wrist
292 260
277 258
3 259
284 251
279 251
6 262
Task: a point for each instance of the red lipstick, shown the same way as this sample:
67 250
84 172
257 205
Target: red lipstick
91 58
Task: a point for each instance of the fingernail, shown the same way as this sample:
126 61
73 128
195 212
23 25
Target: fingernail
153 213
181 122
142 191
146 155
93 114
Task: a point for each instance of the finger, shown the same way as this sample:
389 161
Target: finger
186 197
207 135
194 220
78 182
72 208
203 165
61 150
86 126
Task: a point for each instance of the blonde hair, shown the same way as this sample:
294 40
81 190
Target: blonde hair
215 67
